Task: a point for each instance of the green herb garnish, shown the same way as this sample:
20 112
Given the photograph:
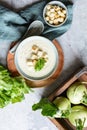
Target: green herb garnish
40 64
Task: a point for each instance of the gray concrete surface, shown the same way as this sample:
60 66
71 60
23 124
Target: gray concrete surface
74 44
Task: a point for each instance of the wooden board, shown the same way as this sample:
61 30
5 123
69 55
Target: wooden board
42 83
64 124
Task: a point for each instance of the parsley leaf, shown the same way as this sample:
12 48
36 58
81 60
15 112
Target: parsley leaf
39 64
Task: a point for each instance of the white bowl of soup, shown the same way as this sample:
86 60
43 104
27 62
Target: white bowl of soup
36 58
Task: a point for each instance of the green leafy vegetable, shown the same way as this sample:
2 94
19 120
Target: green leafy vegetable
77 93
84 99
78 117
80 124
12 89
60 108
63 105
48 109
40 64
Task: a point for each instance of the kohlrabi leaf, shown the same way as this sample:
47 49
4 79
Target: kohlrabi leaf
48 109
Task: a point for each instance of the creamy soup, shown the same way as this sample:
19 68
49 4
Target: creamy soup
24 52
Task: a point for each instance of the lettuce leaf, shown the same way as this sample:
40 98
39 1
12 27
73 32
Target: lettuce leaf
12 89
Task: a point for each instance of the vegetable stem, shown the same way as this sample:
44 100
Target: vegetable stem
80 124
84 100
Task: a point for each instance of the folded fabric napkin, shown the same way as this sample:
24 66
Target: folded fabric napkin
13 25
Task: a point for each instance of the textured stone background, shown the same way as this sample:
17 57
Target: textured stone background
74 43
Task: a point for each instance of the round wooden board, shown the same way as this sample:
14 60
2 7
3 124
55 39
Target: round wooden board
42 83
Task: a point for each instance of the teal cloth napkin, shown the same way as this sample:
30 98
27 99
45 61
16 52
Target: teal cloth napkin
13 25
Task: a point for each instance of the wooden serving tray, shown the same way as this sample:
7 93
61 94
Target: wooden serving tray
42 83
64 124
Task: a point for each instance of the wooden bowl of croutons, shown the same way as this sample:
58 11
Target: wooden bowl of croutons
55 13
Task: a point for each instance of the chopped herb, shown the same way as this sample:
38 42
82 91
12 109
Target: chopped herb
40 64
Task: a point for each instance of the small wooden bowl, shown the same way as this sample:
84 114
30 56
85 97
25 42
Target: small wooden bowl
64 124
